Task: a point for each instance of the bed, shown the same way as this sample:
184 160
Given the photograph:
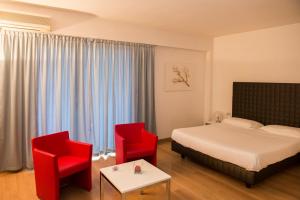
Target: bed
268 103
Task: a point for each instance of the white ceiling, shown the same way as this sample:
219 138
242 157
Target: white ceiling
195 17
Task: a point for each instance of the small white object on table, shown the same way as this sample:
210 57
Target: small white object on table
125 180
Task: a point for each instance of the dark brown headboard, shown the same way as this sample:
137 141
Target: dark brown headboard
268 103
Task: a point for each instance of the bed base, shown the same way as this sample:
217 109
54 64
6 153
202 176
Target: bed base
248 177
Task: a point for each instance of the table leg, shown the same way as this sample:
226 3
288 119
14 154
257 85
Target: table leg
101 186
168 189
123 196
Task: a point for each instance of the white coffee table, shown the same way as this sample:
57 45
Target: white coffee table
125 180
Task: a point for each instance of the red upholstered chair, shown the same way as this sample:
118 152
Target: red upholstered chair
133 142
56 159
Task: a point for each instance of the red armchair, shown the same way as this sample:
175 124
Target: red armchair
133 142
56 158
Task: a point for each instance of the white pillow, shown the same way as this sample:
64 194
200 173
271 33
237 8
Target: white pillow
282 130
244 123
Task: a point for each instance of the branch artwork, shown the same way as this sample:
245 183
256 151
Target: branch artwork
179 76
183 76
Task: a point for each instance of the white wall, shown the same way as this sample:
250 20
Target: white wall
98 28
268 55
70 22
178 109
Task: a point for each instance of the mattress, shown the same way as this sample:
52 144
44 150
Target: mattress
252 149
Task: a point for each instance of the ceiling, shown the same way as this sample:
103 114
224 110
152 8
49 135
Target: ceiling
194 17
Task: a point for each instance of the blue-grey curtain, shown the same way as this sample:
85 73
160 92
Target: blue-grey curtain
50 83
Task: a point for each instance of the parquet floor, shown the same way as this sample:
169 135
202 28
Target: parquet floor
190 181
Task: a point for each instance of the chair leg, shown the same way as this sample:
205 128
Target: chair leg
83 179
248 185
48 190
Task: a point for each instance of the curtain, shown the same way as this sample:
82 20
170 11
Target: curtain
51 83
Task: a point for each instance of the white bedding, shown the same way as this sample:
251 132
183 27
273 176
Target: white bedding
252 149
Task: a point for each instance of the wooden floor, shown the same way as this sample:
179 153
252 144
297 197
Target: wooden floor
189 181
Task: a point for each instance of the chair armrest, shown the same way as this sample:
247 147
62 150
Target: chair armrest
121 149
149 137
120 142
43 157
79 148
45 167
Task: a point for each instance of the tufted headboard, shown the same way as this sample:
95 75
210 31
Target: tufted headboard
268 103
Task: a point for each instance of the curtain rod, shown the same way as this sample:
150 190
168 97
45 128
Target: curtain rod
97 40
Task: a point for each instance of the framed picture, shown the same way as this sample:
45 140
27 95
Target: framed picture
178 77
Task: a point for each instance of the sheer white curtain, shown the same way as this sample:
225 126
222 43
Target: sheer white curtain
51 83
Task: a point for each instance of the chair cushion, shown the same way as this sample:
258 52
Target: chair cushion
68 165
139 150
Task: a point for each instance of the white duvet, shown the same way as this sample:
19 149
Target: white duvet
252 149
